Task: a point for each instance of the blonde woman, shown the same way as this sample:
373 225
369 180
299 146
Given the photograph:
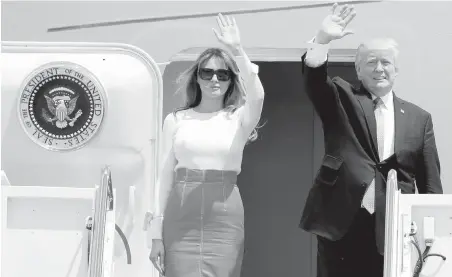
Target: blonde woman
198 229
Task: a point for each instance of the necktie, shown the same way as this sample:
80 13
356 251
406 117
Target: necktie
369 197
380 126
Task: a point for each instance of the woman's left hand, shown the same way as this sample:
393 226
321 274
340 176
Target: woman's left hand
229 32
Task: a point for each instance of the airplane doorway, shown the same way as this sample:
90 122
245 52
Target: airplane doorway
277 169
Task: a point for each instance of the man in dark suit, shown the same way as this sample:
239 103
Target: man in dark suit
367 131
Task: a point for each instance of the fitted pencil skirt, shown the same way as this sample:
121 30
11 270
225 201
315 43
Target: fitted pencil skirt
203 228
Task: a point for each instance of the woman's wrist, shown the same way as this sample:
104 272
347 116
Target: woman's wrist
235 50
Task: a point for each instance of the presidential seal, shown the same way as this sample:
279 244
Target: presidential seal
61 106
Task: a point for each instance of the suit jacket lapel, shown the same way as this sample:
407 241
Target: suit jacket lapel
399 123
365 100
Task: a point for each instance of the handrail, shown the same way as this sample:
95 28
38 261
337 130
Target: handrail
104 202
110 198
390 256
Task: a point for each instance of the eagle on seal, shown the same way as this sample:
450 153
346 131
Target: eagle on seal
61 105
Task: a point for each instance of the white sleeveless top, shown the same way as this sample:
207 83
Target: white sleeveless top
209 140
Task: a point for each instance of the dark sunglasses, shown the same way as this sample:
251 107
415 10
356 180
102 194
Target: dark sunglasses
222 74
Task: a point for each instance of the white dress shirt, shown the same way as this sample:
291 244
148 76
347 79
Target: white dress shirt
387 110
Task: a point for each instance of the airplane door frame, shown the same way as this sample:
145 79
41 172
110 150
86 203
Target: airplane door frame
337 57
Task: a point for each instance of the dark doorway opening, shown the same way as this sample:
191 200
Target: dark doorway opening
277 169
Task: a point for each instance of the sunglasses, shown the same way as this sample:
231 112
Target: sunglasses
222 74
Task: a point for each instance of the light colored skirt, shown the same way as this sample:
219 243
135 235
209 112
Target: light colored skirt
203 228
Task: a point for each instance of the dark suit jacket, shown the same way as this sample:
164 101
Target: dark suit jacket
351 155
